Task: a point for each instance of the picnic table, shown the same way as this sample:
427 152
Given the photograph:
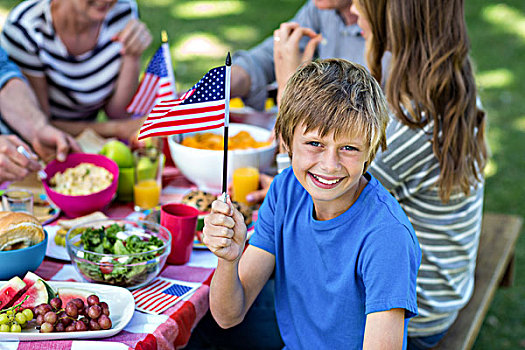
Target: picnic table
172 328
169 330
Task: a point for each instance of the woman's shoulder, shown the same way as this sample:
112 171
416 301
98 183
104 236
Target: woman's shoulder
125 5
29 12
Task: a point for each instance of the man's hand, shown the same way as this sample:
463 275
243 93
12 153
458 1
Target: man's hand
135 38
14 165
50 143
224 231
287 54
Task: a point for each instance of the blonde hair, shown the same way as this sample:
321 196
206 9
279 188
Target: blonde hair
334 96
431 79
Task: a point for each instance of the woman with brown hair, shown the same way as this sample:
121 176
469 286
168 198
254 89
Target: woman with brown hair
436 147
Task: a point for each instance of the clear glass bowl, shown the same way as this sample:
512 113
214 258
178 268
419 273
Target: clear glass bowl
125 270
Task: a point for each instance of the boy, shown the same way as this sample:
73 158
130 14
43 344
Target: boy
344 253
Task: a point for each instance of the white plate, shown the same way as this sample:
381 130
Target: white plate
121 308
53 250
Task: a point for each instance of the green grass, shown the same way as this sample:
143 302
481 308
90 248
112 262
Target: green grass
201 32
497 33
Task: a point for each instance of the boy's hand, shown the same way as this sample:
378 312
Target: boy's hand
224 231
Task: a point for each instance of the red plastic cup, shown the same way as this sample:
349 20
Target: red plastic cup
181 221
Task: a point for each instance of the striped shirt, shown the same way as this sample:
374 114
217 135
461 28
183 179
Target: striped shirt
448 233
78 86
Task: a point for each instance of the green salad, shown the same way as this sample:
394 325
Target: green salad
132 264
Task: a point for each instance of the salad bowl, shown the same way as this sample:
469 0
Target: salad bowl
122 253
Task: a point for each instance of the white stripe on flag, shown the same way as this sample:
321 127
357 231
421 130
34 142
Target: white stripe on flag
209 124
146 91
144 294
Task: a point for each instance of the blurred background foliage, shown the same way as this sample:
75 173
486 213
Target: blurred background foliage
201 32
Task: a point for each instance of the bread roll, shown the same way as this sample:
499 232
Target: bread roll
19 230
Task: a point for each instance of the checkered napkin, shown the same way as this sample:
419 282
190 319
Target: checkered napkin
161 294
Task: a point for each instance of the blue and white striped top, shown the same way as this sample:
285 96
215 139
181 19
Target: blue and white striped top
78 86
448 233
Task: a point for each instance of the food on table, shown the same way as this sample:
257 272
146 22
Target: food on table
11 290
64 314
199 199
65 225
202 201
83 179
16 290
15 318
211 141
65 310
119 152
245 210
133 248
19 230
236 102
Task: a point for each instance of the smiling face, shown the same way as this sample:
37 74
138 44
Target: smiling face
329 169
94 10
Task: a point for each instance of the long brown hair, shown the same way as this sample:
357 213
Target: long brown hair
431 79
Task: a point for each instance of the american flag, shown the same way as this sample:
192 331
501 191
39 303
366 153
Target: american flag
157 84
162 294
200 108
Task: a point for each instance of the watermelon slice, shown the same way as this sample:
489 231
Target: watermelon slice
11 291
30 279
68 294
36 295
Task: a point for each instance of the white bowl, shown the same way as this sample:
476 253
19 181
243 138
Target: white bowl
204 167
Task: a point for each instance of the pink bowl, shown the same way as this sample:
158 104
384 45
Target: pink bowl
74 206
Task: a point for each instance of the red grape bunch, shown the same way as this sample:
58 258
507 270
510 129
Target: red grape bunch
75 316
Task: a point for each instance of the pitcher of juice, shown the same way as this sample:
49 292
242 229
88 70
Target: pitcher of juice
148 163
245 180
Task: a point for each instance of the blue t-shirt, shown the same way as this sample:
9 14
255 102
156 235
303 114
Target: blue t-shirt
330 274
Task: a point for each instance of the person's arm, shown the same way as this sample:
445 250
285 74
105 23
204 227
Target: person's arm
40 88
121 129
239 277
20 109
240 82
135 38
258 63
384 330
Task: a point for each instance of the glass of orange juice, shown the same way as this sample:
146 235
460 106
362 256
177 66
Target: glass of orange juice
148 163
245 180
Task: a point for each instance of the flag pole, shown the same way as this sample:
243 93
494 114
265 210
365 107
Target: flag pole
226 126
167 55
167 58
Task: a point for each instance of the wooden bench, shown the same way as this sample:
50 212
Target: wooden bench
495 266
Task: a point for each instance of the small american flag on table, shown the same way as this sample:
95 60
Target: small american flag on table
200 108
156 85
161 294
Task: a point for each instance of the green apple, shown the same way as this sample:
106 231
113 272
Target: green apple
119 152
126 179
146 169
